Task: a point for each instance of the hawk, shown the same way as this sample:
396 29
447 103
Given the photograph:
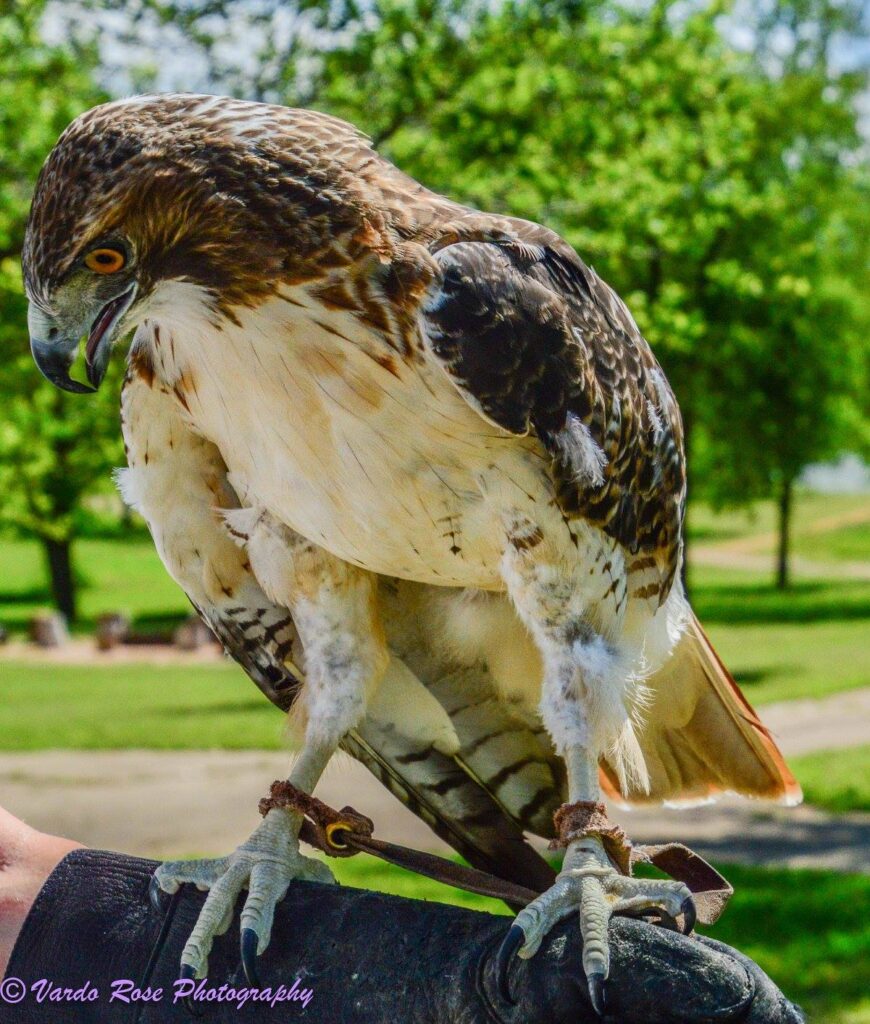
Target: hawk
420 472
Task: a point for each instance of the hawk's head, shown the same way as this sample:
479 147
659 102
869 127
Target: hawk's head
229 196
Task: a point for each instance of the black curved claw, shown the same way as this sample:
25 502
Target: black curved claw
188 973
690 915
655 915
250 941
512 942
596 980
155 894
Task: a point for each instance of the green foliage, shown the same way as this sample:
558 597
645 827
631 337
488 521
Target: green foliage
53 449
724 193
728 205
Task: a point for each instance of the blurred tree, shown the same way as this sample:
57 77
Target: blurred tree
725 199
53 449
795 356
704 157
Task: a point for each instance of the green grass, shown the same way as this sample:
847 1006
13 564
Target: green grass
733 596
846 543
788 661
708 526
838 780
807 929
156 706
196 706
807 642
126 575
113 575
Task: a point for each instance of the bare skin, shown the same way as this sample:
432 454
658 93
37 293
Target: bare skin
27 858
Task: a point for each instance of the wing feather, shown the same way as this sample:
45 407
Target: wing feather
535 341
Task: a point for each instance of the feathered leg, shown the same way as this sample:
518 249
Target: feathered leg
333 607
586 699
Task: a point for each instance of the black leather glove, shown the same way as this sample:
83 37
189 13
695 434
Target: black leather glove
349 956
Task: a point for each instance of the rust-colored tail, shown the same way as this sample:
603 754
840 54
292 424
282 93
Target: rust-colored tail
701 737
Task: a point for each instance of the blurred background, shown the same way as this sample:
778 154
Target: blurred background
710 159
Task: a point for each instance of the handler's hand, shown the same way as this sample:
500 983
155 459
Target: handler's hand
27 858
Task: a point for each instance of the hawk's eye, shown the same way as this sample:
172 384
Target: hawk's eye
105 261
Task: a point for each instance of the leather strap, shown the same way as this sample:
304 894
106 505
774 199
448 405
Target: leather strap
440 869
589 818
710 890
347 832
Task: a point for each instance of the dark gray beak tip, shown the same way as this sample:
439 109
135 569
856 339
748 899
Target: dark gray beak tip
95 373
54 364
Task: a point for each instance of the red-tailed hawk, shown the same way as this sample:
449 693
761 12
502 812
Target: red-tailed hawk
418 469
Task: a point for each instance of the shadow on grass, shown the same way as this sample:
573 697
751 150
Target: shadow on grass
807 601
203 710
807 929
753 676
36 595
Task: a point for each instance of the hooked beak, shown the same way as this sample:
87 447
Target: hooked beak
54 350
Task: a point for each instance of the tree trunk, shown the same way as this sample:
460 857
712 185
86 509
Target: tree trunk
59 556
784 528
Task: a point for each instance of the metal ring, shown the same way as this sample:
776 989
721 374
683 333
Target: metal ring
332 828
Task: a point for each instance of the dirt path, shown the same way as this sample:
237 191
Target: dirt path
824 524
83 651
182 803
804 726
746 561
755 554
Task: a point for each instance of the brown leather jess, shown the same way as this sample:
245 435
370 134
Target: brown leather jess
346 832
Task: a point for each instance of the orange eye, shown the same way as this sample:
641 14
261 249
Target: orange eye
105 261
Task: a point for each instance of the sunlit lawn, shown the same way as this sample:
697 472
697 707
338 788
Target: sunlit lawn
810 510
127 576
174 706
114 575
158 706
808 642
807 929
838 780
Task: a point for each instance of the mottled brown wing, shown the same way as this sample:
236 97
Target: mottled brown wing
537 342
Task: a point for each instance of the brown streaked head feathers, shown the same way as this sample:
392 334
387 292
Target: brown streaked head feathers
233 196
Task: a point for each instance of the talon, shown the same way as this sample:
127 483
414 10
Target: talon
154 894
690 915
250 941
188 973
512 942
595 981
666 921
